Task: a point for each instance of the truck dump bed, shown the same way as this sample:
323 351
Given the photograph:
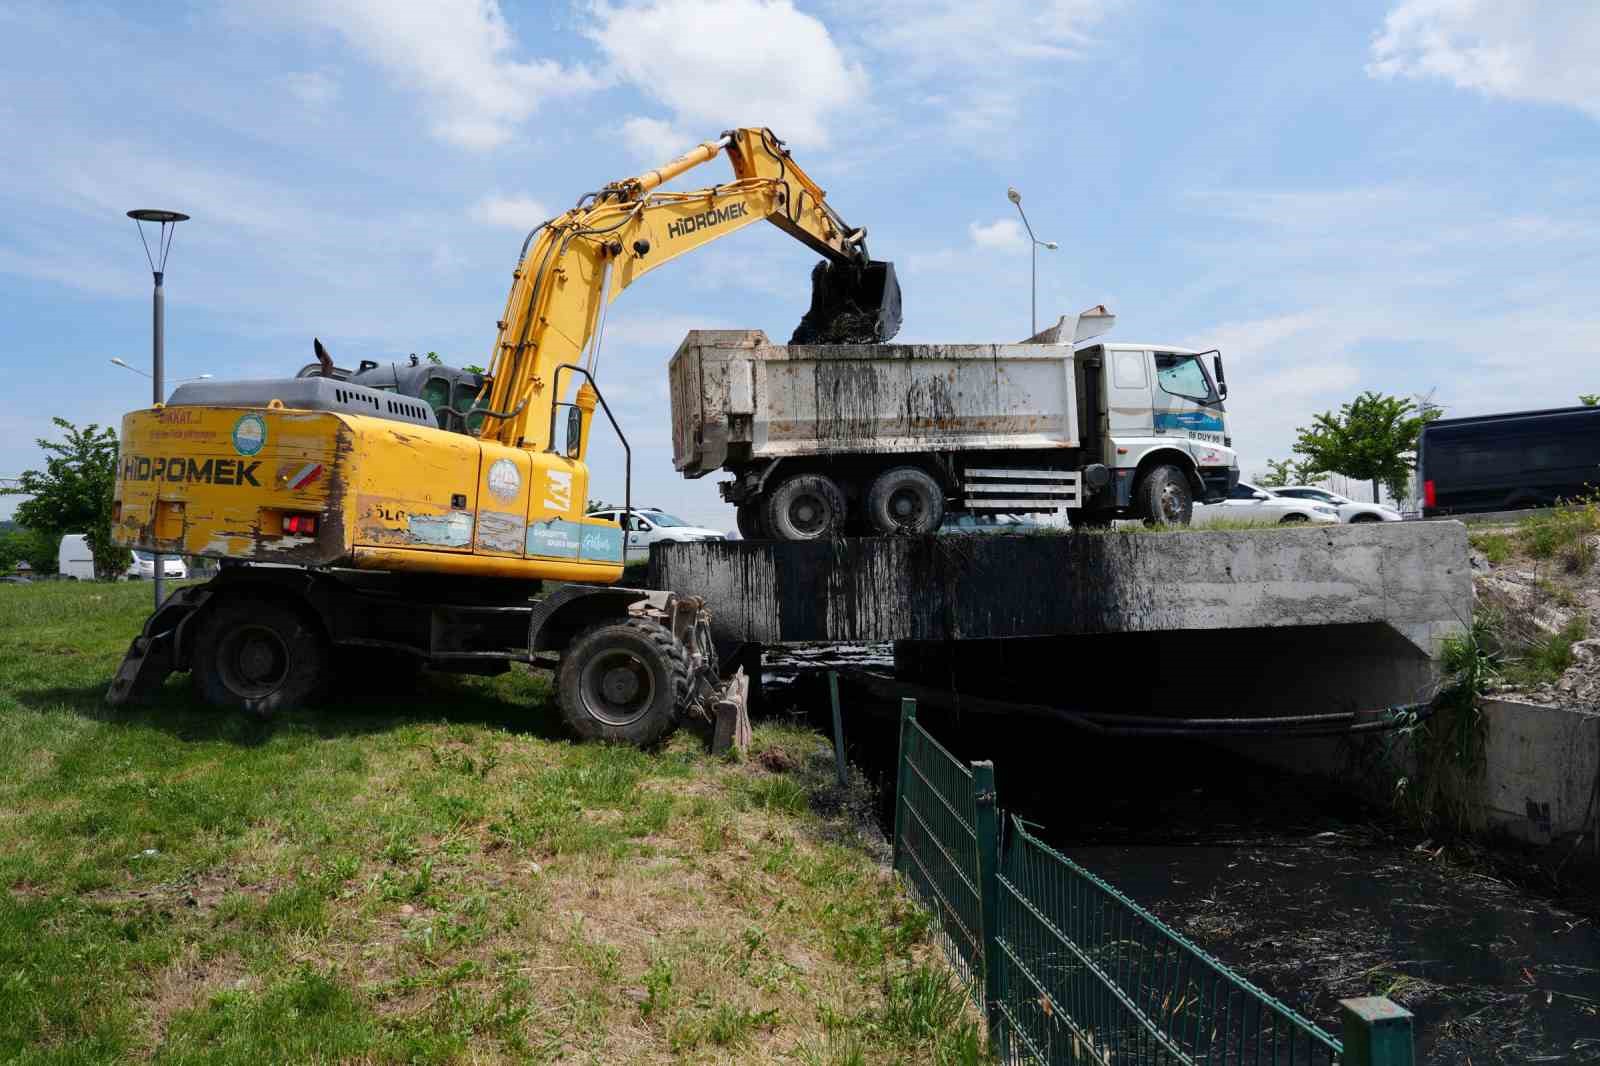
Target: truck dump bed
737 396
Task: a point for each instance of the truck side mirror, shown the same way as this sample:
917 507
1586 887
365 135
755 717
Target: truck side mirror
1222 379
574 432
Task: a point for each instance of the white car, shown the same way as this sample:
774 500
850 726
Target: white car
649 525
1247 503
144 566
1349 510
990 523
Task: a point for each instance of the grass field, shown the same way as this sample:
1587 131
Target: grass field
430 875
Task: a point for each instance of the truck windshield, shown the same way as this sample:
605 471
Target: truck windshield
661 518
1183 375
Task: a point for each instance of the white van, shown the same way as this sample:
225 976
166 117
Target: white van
75 559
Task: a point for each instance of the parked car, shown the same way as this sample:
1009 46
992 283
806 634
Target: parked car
1509 461
74 560
1349 510
650 525
990 523
1247 503
144 567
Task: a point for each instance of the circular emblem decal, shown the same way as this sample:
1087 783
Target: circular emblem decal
249 434
504 481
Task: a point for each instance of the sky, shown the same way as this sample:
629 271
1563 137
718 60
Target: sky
1400 195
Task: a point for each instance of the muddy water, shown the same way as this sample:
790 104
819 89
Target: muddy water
1310 894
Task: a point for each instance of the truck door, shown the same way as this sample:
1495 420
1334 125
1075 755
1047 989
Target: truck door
1128 394
1182 406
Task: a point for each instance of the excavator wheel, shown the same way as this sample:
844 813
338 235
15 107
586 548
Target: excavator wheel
259 656
747 517
805 507
623 680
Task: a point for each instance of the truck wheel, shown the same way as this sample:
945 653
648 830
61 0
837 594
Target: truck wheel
805 507
623 680
905 500
747 517
1165 497
258 656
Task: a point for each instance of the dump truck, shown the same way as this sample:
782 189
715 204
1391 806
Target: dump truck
829 440
371 521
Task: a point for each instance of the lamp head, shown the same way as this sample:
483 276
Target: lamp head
1052 245
118 362
1014 196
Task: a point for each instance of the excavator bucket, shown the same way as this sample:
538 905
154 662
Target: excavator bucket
851 304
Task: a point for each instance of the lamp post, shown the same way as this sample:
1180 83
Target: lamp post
179 381
1033 302
168 222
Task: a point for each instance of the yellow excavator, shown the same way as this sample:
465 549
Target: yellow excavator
374 521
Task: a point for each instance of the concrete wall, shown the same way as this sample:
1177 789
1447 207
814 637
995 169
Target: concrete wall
1543 763
1412 577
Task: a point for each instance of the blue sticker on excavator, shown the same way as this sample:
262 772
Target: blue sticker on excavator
561 539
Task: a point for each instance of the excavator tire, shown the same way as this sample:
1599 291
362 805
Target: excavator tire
259 656
623 681
904 500
747 517
805 507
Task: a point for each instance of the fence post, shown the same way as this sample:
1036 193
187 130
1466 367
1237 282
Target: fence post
908 718
988 830
1377 1032
838 730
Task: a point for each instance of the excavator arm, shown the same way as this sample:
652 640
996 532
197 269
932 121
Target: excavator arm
573 266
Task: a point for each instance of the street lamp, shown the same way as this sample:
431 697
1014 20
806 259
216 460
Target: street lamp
1033 303
168 223
118 362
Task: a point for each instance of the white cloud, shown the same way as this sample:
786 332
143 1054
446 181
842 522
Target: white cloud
312 88
732 63
980 59
513 212
458 54
1540 50
656 141
1001 233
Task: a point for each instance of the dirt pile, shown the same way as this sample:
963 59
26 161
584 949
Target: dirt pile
1536 589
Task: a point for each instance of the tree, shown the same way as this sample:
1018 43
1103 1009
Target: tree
72 494
19 545
1589 399
1282 472
1372 438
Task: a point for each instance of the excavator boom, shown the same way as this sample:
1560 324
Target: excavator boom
572 266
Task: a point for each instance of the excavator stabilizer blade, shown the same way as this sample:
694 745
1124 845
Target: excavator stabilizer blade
851 304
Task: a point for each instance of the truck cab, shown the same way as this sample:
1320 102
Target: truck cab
1162 405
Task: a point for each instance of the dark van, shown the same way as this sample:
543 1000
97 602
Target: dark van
1510 461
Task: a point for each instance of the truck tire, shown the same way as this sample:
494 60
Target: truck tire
805 507
747 517
1165 497
1293 520
623 680
259 656
904 500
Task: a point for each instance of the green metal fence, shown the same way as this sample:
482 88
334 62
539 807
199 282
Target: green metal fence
936 842
1069 970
